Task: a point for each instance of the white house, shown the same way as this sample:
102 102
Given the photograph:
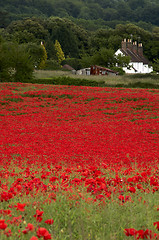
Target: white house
138 63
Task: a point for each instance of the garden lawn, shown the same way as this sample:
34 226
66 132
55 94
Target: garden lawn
78 162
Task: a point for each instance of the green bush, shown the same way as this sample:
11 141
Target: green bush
73 62
52 65
147 75
119 70
70 81
15 62
37 53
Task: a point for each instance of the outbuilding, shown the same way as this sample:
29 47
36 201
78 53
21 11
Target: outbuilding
98 70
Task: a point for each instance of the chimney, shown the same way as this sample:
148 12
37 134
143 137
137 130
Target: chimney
140 50
134 47
124 44
129 45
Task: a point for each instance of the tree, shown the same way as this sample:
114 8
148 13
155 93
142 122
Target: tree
104 57
59 53
4 19
28 30
67 34
156 65
37 52
122 61
15 62
43 57
86 61
151 49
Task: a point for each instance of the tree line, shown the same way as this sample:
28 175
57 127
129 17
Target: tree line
77 46
107 10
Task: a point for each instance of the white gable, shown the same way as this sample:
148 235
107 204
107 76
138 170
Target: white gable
135 67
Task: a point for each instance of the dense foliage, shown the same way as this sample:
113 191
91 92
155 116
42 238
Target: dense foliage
107 10
81 47
89 32
18 61
15 62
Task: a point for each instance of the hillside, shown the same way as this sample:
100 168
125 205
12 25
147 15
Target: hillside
110 12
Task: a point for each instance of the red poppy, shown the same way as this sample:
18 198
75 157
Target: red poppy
38 215
28 228
130 231
8 232
156 224
141 234
49 221
5 212
132 189
34 238
20 206
43 232
3 225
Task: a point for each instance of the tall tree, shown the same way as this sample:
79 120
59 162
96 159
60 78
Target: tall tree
59 53
43 57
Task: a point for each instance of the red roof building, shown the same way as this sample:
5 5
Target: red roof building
97 70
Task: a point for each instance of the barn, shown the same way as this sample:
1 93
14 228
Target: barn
97 70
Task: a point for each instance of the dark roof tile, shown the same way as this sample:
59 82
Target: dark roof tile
133 56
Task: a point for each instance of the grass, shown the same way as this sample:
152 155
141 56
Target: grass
132 81
76 217
67 78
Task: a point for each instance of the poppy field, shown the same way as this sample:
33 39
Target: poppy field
78 162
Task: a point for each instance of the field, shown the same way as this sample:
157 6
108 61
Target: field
135 80
78 162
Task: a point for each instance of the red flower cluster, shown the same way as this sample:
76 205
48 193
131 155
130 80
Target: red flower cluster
42 232
64 138
141 234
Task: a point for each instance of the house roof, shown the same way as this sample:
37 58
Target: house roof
66 66
104 69
133 56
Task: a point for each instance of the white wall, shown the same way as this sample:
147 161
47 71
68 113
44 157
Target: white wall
138 66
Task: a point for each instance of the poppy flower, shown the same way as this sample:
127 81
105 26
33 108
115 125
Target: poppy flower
8 232
156 224
141 234
49 221
132 189
5 212
130 232
28 228
20 206
38 215
150 234
3 225
34 238
43 232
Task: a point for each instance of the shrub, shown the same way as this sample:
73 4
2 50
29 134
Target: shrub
15 62
73 62
52 65
119 70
